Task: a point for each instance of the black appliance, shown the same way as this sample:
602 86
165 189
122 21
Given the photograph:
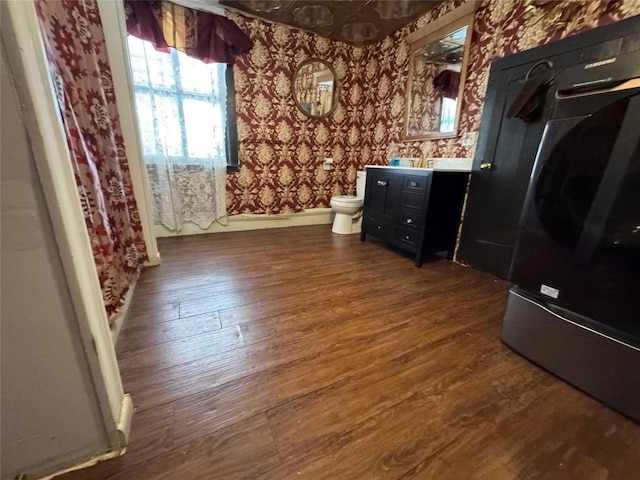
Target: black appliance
575 309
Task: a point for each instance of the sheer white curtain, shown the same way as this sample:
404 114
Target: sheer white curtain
181 106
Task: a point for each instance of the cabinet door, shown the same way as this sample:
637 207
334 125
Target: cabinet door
384 192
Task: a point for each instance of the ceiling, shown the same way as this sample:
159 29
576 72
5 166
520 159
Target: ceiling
357 22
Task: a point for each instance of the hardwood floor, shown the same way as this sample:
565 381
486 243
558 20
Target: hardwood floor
295 353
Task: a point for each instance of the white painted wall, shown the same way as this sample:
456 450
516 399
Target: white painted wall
51 416
62 399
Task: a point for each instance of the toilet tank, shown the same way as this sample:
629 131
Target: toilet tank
361 181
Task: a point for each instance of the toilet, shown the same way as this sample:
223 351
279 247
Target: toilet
348 209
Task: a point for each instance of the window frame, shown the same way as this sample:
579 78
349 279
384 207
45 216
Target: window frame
231 138
177 91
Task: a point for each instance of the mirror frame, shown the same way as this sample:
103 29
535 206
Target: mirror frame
336 87
433 31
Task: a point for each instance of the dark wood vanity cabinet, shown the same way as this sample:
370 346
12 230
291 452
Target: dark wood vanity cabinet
413 209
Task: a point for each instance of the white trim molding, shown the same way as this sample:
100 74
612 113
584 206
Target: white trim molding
124 423
244 222
114 24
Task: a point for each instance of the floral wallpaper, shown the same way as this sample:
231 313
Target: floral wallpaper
424 114
502 27
281 150
75 46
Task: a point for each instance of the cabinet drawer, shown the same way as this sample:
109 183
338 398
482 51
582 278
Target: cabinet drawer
416 183
411 219
408 236
412 203
378 228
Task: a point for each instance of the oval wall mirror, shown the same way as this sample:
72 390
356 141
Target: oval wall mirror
315 88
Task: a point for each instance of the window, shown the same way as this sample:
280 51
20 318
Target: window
448 114
173 86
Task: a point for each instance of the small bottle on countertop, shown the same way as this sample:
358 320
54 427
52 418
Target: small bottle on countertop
393 154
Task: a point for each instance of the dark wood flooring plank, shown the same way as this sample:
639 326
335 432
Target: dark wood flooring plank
354 298
306 335
157 332
234 401
241 451
296 353
395 440
152 388
148 360
303 285
316 417
194 416
301 278
543 440
142 316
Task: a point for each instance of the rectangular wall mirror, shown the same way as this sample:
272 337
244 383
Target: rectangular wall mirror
437 71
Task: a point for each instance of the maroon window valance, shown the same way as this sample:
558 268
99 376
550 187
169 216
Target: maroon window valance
447 83
202 35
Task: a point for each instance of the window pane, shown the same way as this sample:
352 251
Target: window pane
138 63
196 76
159 66
145 121
147 64
136 46
181 104
205 128
448 115
168 118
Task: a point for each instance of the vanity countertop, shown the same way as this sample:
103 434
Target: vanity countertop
434 169
438 164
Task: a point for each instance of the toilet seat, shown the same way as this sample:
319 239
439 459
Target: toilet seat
346 200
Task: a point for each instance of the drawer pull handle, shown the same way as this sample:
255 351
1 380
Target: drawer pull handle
486 166
409 220
379 227
413 184
406 237
382 183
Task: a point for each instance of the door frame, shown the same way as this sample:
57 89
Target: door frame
27 60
